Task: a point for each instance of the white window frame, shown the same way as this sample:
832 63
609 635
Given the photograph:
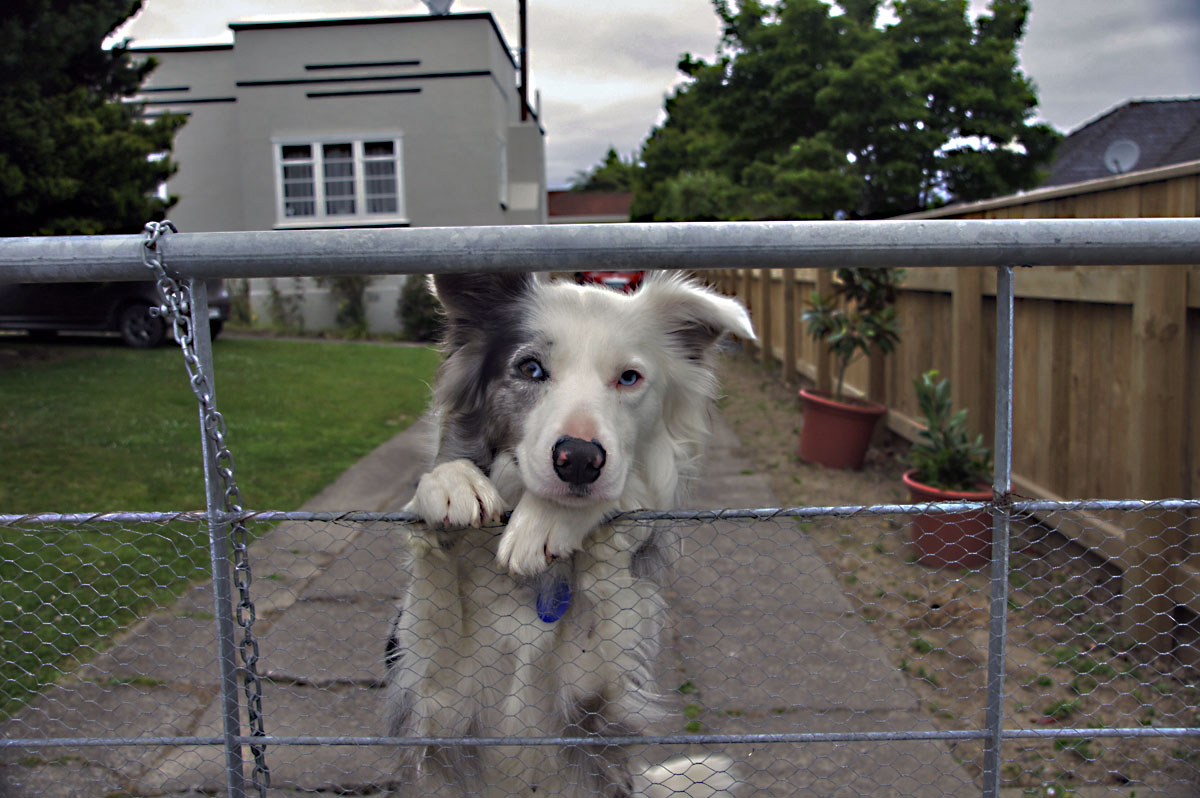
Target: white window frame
360 218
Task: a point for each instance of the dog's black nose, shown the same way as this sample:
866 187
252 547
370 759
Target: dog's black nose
578 462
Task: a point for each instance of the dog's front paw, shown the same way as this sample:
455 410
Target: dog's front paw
455 495
522 548
541 530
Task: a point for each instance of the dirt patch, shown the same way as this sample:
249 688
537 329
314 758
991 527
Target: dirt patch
1071 663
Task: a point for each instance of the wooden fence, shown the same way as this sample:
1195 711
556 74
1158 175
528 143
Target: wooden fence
1106 371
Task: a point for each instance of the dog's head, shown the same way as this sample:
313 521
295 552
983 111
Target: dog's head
580 383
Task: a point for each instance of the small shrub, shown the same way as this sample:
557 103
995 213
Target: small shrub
284 309
945 457
350 291
418 311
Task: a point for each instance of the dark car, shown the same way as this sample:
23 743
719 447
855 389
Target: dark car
120 307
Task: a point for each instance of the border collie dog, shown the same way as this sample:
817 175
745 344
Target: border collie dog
558 406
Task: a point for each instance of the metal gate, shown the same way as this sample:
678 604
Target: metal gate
769 658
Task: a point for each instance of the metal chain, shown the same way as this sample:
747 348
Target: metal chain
177 306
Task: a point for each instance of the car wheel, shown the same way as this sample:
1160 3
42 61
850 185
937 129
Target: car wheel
214 328
138 328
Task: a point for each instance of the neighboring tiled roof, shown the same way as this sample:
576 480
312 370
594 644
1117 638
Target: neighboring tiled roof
589 203
1165 131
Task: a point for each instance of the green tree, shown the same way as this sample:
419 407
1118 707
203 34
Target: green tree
75 155
813 110
613 174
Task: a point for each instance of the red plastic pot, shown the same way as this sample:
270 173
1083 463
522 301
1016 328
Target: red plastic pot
836 434
950 540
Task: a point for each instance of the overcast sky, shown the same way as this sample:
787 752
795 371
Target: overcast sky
604 68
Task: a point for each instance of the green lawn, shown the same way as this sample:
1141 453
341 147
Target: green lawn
92 427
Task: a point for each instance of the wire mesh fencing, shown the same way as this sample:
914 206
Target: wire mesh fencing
820 650
804 651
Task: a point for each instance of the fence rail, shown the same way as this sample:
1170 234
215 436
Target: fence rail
844 559
696 246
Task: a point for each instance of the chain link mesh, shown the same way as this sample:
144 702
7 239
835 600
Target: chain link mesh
812 651
819 650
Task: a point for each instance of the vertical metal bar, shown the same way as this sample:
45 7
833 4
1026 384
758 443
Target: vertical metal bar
218 543
1001 512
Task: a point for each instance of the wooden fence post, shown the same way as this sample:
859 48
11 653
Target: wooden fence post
966 346
767 352
789 326
1158 360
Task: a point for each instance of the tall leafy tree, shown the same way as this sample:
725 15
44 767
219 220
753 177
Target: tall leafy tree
614 173
816 110
75 155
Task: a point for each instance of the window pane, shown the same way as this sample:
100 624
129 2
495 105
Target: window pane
377 186
293 152
300 208
339 180
297 190
381 205
379 168
378 148
297 171
337 169
382 196
298 187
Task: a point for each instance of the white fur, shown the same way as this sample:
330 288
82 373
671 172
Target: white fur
475 659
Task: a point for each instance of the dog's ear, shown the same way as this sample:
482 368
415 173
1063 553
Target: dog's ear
694 315
474 298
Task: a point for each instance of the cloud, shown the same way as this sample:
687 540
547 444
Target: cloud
600 42
578 135
1087 57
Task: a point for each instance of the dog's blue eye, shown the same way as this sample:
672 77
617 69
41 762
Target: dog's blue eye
531 369
628 378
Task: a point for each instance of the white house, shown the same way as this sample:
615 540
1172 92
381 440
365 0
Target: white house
399 121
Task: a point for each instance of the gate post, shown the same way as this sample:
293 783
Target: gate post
1001 513
218 547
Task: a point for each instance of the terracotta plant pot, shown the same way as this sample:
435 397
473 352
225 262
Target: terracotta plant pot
836 434
950 540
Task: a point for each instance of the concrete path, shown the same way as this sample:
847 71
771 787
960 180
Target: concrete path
762 640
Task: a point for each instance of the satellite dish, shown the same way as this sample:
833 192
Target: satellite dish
438 8
1121 156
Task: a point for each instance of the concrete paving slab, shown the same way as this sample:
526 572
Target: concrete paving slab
740 666
73 709
172 645
374 566
733 564
60 777
295 710
323 642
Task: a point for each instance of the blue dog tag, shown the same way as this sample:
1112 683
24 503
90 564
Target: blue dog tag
553 601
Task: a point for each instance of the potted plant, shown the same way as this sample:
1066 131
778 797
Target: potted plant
948 466
857 318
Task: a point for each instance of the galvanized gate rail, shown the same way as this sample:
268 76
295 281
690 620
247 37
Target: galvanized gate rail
1004 244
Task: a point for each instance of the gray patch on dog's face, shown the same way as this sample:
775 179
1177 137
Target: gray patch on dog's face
484 399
